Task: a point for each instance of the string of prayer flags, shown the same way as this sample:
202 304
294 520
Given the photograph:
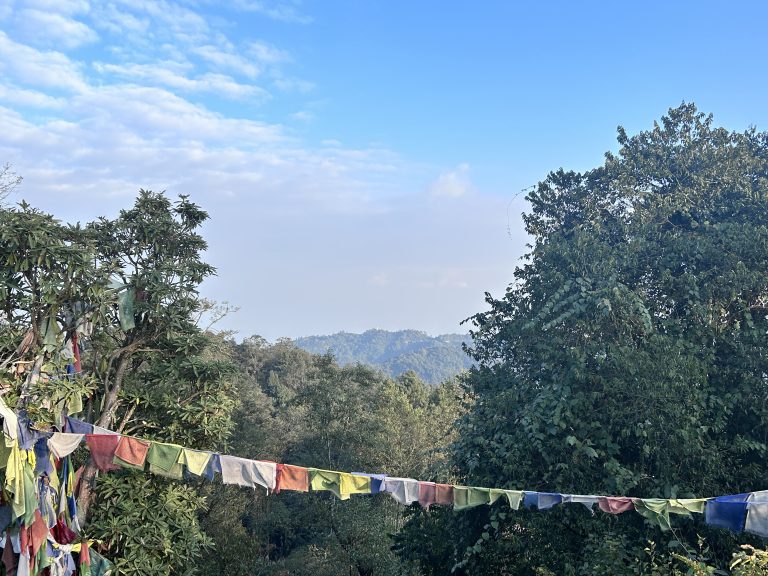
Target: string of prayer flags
658 509
75 426
195 461
377 481
431 493
729 512
615 504
470 496
756 521
102 448
587 500
42 512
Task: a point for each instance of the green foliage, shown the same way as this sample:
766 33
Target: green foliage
150 525
184 398
148 369
305 409
628 355
433 359
750 561
45 267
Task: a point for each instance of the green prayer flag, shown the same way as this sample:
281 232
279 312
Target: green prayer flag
470 496
514 497
163 460
125 301
657 510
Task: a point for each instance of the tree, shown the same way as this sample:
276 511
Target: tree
147 368
49 284
627 357
305 409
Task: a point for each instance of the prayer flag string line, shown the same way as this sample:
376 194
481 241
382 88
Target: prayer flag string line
39 527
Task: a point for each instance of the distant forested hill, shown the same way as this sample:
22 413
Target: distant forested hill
434 359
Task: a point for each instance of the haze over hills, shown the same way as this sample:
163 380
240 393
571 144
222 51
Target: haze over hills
433 358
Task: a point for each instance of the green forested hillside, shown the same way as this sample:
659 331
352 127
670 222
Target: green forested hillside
305 409
434 359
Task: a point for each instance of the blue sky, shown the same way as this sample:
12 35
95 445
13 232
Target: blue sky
361 160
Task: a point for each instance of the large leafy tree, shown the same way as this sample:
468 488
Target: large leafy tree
146 367
628 356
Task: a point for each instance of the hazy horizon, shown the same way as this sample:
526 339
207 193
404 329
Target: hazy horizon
362 163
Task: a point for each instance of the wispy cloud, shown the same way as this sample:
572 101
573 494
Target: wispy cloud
150 112
69 7
291 84
110 18
37 68
23 98
267 53
160 75
452 184
48 28
303 116
228 60
281 10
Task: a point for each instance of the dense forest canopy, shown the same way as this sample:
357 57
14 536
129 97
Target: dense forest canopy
628 357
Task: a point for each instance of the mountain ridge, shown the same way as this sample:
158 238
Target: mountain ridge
434 358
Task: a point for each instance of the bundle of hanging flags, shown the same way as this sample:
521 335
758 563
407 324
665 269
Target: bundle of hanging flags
39 528
39 512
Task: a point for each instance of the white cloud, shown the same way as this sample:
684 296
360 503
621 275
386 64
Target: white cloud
37 68
54 29
168 20
282 11
267 53
166 74
303 116
452 184
141 117
111 18
61 6
227 60
29 98
152 113
292 84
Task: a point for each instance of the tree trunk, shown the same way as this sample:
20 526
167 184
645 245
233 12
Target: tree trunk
110 399
88 476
